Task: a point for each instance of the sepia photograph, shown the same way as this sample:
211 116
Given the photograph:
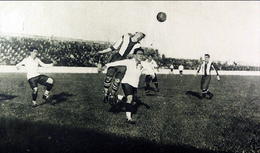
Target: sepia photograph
130 76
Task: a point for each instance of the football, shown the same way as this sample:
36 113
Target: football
161 16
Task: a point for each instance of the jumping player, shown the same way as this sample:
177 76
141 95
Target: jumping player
134 68
148 78
34 77
206 68
124 46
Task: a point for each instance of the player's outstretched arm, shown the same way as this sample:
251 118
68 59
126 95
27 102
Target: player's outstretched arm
112 48
45 65
218 78
18 66
118 63
197 72
105 51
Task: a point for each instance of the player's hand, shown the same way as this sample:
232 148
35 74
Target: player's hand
195 74
218 77
103 68
18 67
100 52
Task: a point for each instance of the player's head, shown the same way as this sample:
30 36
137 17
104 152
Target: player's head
138 54
150 57
33 52
138 36
207 57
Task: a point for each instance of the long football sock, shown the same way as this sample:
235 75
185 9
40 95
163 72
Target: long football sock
107 84
34 96
115 88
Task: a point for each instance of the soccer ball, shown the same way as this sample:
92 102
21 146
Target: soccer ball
161 16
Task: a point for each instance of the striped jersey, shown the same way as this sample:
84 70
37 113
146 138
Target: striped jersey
125 45
206 68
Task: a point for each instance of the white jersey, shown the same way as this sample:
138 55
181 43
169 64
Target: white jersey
153 64
181 67
133 71
32 66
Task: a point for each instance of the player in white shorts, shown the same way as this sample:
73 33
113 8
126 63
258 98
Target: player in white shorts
34 77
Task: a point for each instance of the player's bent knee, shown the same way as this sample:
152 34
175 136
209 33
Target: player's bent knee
117 80
108 79
50 81
129 99
35 90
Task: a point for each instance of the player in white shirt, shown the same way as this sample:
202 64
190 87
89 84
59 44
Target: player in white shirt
123 47
34 77
148 78
171 67
181 68
134 68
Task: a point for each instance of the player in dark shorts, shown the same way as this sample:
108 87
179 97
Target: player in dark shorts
148 78
206 68
34 77
123 47
135 67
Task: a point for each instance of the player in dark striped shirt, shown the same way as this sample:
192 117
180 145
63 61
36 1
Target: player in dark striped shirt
123 47
206 68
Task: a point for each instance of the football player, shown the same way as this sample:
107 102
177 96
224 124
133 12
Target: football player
34 77
171 67
134 68
148 78
124 46
206 68
181 68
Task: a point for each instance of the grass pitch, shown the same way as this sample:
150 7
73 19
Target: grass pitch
172 120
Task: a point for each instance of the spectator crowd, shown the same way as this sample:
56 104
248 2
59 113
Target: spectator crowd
83 53
64 52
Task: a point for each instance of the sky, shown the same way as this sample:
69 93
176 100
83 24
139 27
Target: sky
228 31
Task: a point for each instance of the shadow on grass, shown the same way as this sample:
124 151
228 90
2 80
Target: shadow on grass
57 98
151 89
21 136
120 106
195 94
6 97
